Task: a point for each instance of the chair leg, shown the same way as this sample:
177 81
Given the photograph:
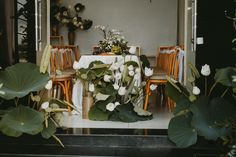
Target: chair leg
147 92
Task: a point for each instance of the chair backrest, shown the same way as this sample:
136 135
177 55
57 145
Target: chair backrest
56 40
167 60
63 57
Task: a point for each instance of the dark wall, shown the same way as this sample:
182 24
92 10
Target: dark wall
218 33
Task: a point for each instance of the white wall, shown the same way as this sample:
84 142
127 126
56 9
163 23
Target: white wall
144 23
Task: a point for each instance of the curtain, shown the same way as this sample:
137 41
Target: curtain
6 32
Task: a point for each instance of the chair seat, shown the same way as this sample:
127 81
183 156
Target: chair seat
64 74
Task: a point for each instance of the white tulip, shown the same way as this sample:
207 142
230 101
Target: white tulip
76 65
114 66
196 90
107 78
45 105
48 86
148 72
131 73
117 103
131 67
153 87
206 71
91 87
116 86
122 91
132 50
110 107
118 76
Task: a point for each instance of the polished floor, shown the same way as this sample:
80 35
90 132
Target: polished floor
161 118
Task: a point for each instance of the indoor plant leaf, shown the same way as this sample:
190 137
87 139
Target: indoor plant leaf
50 130
102 103
97 114
182 105
22 119
224 76
181 132
173 93
20 79
206 114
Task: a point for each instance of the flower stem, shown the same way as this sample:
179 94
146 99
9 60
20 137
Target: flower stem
16 101
205 86
213 86
223 94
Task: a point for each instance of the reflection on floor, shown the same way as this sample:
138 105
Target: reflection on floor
161 118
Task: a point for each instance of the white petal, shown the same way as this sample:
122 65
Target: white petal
45 105
48 86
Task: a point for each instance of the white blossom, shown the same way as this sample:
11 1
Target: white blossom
131 73
206 71
117 103
131 67
122 91
107 78
91 87
153 87
137 76
48 86
148 72
132 50
76 65
45 105
110 107
116 86
196 90
137 70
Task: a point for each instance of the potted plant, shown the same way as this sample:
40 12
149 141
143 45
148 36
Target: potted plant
200 113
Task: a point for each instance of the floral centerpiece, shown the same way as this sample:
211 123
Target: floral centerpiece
200 113
25 109
113 41
117 89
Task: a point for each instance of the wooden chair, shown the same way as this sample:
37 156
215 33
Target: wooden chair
61 70
57 40
167 65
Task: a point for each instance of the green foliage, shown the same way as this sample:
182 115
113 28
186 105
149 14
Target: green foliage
49 131
21 120
96 114
224 76
21 79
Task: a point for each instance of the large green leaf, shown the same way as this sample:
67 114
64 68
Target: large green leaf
173 93
50 130
126 113
182 106
207 113
20 79
224 76
181 132
22 120
97 114
102 103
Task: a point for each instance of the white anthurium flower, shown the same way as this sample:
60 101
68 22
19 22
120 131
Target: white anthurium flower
91 87
196 90
110 107
122 91
118 76
116 86
45 105
137 70
76 65
132 50
107 78
117 103
131 67
131 73
48 86
148 72
153 87
206 71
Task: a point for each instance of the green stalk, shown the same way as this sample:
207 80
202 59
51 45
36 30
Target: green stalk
205 86
223 94
213 86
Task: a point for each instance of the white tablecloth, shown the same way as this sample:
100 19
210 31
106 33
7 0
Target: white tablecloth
85 60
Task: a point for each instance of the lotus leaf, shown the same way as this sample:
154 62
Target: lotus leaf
224 76
20 120
50 130
21 79
181 132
